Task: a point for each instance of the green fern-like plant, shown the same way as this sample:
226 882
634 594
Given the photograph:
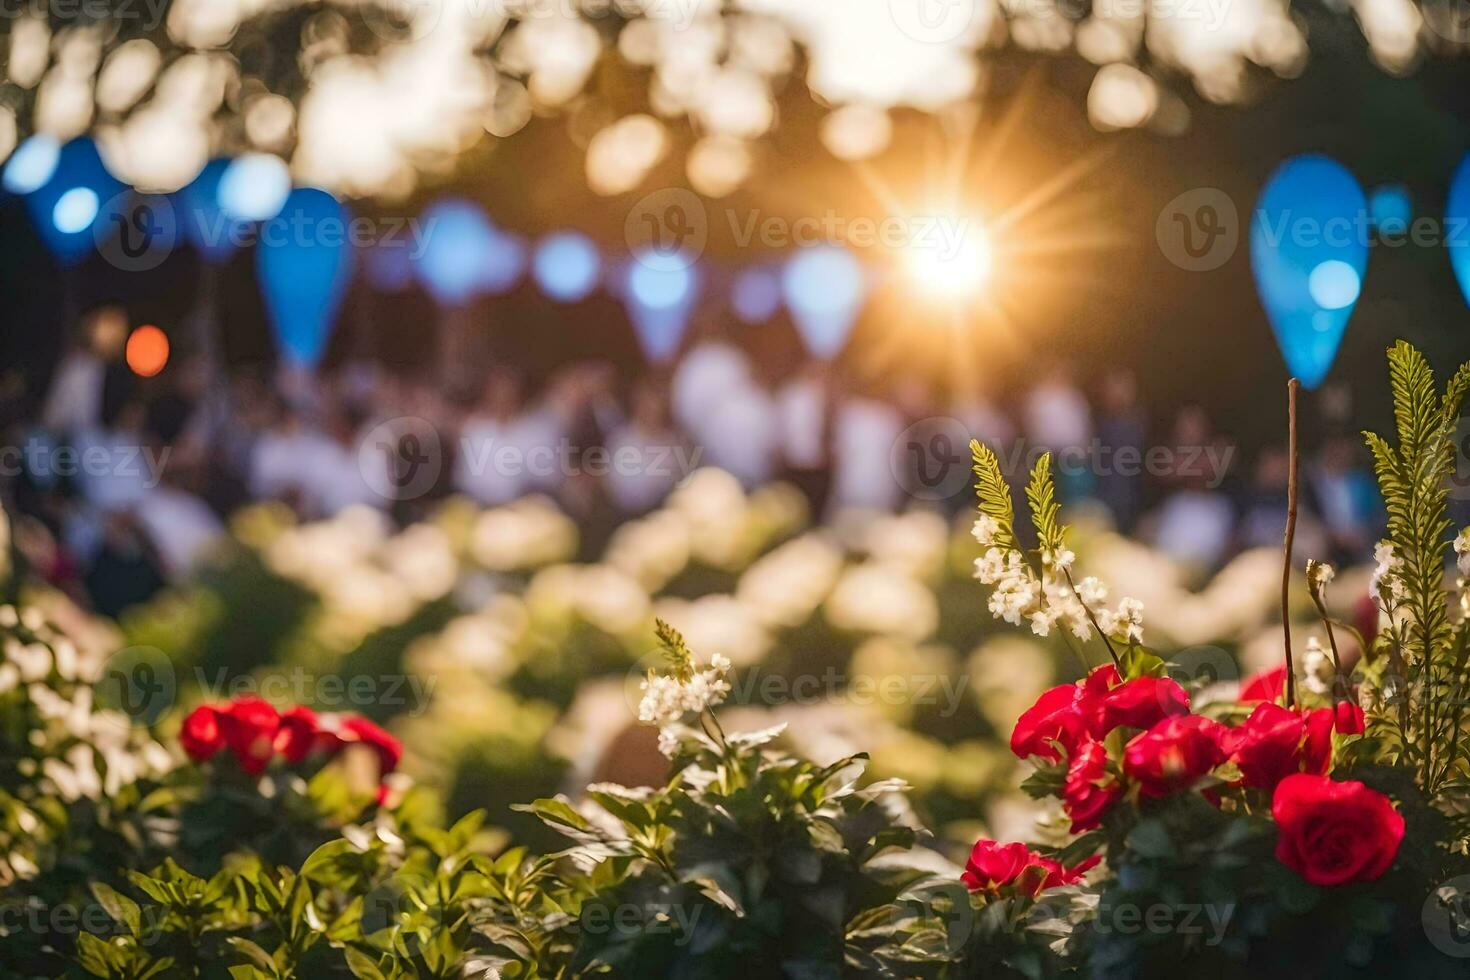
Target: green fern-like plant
994 495
1423 645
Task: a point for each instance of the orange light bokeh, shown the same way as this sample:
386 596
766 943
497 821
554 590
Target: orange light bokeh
147 351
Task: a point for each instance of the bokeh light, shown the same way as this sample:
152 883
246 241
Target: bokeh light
75 210
147 351
254 187
32 164
824 288
1334 285
566 266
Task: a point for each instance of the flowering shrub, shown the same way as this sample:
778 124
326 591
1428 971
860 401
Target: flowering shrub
1287 810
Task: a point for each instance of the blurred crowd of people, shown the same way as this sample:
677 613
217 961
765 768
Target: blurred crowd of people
122 483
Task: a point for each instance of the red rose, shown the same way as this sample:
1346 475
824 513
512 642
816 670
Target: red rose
1334 833
1102 680
1140 703
388 748
1269 685
1052 725
1348 718
1275 742
249 725
200 736
1058 875
993 864
1088 790
300 734
1172 754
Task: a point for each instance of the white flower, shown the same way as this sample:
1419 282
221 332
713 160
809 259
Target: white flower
666 700
985 530
1387 572
1319 574
1462 551
1059 560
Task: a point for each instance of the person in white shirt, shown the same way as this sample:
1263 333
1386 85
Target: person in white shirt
74 400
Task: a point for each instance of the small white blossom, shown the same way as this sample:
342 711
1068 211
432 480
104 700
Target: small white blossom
667 700
1462 551
985 530
1387 572
1059 560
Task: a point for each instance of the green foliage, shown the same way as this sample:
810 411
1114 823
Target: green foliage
1427 652
1041 496
994 494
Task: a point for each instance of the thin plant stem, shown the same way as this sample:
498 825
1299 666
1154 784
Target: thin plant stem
1292 387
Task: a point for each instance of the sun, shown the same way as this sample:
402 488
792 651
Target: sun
957 266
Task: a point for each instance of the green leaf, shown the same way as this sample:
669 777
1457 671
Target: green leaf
1041 497
123 910
1150 839
994 495
95 955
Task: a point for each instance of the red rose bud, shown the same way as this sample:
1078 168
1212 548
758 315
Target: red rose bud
1348 718
993 864
249 725
1275 742
1268 685
1174 753
388 748
1052 725
1335 833
300 735
1140 703
200 735
1089 791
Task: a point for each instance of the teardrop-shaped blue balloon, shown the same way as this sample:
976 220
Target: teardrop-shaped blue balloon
659 290
201 220
304 261
824 288
1309 252
1457 225
67 207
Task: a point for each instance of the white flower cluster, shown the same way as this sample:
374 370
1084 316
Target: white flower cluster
1387 574
668 700
1051 600
1462 551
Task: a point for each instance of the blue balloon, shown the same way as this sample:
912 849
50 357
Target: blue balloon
1309 251
566 266
756 295
1457 225
459 244
202 221
32 164
66 207
824 288
304 263
660 290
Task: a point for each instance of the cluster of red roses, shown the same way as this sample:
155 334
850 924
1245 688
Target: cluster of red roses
255 733
1330 832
